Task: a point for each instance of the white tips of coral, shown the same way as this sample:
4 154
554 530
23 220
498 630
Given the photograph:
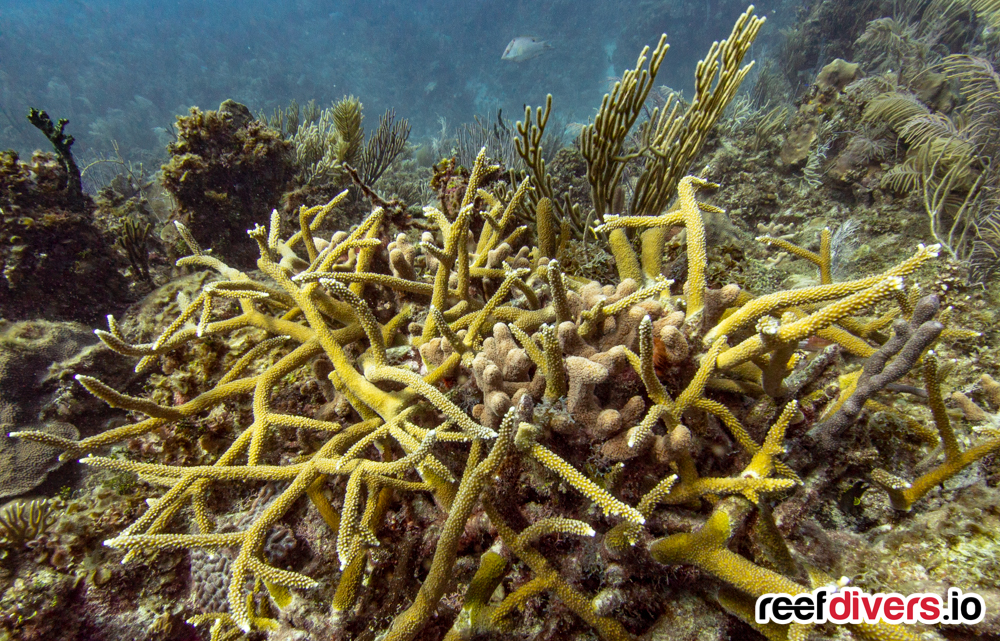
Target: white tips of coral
115 543
185 234
554 525
930 250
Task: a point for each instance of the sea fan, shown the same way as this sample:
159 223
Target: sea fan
894 109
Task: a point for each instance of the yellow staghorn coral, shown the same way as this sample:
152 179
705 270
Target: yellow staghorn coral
904 494
688 213
608 503
772 303
706 549
770 336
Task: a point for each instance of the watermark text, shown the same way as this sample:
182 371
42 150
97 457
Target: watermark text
850 605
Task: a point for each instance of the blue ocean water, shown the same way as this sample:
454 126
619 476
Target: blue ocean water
120 70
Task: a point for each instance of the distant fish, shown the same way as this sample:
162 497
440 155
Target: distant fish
524 48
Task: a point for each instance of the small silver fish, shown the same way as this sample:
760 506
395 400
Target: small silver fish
524 48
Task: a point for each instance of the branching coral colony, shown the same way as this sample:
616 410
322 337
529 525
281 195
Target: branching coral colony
576 473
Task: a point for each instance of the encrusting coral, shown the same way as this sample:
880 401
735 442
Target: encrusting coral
499 423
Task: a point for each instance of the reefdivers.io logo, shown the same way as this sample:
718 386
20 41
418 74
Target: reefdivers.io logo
850 605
